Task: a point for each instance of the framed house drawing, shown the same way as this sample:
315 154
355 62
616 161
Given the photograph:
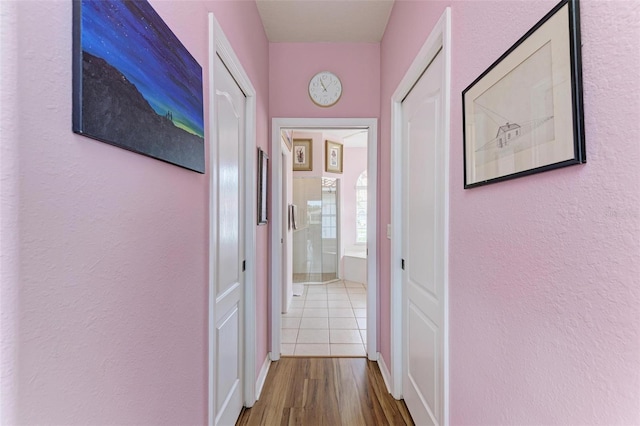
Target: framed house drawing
524 114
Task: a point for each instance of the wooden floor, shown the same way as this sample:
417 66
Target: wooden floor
325 391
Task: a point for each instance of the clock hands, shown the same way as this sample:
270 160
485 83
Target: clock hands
326 88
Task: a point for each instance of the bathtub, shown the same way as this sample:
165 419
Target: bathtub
355 264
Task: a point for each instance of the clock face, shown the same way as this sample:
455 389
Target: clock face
325 89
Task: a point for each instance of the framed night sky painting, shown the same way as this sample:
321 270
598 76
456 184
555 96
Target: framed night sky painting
135 85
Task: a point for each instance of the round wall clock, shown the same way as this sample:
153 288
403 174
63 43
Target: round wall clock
325 89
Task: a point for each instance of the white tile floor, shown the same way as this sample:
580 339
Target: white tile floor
327 320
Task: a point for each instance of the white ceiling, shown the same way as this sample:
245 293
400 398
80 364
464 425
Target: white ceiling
310 21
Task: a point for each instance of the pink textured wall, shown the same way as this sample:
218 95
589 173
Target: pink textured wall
544 295
291 66
104 271
355 162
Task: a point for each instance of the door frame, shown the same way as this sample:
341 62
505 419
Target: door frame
286 159
219 45
439 39
277 124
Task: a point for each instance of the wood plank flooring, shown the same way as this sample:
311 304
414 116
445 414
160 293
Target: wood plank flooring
325 391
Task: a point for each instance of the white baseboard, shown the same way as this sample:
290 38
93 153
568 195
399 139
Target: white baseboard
262 376
386 376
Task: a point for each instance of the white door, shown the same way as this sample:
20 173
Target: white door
229 104
423 247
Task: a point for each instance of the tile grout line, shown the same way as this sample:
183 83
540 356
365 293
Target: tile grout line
354 294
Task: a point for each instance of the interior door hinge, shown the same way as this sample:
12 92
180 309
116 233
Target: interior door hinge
244 265
403 264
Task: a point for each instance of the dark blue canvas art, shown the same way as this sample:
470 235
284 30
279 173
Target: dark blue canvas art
135 85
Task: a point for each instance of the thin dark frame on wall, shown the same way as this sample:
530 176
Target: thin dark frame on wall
524 114
302 155
135 85
333 157
263 177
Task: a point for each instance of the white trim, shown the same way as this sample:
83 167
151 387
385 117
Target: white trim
276 220
396 250
386 376
219 44
275 231
440 38
447 162
262 376
372 241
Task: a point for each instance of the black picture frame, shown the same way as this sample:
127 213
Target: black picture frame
263 180
524 114
135 85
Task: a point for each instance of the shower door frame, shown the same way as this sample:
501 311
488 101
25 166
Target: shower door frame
276 231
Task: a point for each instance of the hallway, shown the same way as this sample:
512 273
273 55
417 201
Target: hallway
111 260
325 391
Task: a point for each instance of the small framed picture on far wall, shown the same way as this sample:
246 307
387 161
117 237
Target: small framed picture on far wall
333 157
302 155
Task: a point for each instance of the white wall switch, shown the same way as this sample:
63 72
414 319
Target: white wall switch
388 231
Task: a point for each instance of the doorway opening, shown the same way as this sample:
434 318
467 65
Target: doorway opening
324 274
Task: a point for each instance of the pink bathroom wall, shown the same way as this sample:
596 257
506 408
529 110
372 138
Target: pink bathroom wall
291 66
355 162
105 268
544 298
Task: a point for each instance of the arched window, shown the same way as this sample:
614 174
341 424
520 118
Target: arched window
361 208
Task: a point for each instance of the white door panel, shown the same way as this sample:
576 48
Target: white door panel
229 214
423 251
423 349
227 382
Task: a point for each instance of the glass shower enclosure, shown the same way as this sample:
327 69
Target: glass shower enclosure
316 239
